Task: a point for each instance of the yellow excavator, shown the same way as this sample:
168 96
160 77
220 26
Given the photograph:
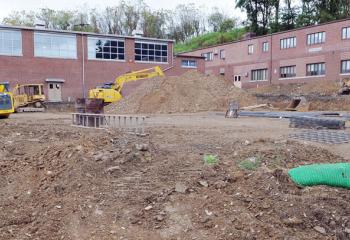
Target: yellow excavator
111 92
6 101
28 97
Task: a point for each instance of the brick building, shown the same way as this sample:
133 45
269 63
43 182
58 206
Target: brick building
70 63
313 53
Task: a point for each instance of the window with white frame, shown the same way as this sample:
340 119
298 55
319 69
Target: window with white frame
345 66
250 49
259 74
265 47
106 48
288 43
10 42
287 71
189 63
55 45
222 54
345 33
151 52
316 38
315 69
208 56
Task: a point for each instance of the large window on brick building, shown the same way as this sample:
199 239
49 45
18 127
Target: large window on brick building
345 33
287 71
55 45
151 52
288 43
208 56
250 49
265 46
222 54
316 38
259 74
345 66
10 42
106 48
315 69
189 63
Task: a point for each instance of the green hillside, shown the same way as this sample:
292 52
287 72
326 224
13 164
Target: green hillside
209 39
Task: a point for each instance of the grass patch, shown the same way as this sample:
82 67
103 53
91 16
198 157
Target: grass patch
210 159
250 164
209 39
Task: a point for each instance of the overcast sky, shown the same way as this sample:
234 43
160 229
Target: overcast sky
18 5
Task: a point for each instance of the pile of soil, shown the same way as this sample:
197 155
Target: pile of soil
190 92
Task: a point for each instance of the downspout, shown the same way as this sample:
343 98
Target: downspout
271 60
83 64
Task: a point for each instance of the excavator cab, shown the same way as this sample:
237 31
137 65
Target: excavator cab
6 101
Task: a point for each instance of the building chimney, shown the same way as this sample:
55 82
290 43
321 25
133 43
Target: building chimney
137 33
248 35
39 24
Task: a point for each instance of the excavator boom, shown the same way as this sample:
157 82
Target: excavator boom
112 92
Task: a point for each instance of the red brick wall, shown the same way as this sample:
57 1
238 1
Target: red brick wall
238 62
30 69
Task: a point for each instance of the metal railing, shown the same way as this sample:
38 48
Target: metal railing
133 124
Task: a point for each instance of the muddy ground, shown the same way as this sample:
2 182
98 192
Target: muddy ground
61 182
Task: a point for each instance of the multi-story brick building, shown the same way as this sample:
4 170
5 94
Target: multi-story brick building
313 53
70 63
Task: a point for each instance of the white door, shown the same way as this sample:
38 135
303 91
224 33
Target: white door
237 81
55 92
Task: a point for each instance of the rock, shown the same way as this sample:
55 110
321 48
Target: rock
141 147
149 207
292 221
180 188
98 157
79 148
208 212
159 218
246 143
203 183
205 219
112 169
127 151
320 229
220 184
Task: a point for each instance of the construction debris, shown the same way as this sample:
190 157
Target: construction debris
323 136
316 123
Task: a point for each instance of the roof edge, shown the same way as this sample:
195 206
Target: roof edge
81 33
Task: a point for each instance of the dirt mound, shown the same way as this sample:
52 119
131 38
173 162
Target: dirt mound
190 92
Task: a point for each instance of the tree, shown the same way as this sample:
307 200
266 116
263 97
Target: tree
227 25
153 23
289 15
215 19
21 18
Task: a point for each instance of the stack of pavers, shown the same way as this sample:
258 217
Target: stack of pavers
323 136
316 123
